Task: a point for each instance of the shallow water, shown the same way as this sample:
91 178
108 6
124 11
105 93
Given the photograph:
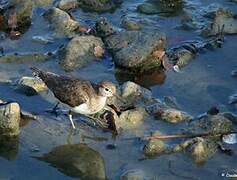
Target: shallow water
204 83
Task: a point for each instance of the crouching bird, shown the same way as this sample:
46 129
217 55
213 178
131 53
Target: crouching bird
82 96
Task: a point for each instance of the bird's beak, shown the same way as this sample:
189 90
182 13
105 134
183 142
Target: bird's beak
120 98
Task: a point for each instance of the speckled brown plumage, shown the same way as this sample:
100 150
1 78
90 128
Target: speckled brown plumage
70 91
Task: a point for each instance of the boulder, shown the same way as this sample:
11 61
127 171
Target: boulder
30 86
137 50
99 5
155 147
131 118
79 51
163 7
77 160
224 22
10 119
133 93
67 4
61 20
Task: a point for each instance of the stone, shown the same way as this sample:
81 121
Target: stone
224 22
99 5
67 4
61 21
130 24
131 118
136 50
76 160
172 115
80 51
163 7
30 86
155 147
9 119
133 92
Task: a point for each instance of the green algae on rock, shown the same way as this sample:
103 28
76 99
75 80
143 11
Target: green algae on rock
77 160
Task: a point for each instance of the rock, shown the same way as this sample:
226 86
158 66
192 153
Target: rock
10 119
135 50
61 21
77 160
30 86
172 115
223 21
104 28
25 58
79 51
155 147
67 4
211 124
164 7
234 73
135 174
133 93
201 150
131 118
99 5
20 13
130 24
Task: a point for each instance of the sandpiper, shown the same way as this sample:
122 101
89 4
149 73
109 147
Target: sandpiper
81 96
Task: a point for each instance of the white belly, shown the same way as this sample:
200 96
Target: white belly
85 109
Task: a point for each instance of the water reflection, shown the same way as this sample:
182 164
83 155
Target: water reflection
146 79
9 147
77 160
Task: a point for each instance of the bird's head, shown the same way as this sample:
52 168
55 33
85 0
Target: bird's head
107 88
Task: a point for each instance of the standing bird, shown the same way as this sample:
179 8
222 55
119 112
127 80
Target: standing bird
81 96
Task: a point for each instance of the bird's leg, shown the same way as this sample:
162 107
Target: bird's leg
54 110
70 118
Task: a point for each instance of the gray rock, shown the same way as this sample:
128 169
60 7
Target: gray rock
10 119
20 13
201 150
136 50
79 51
131 119
30 86
155 147
211 124
133 93
173 115
223 20
77 160
130 24
61 21
163 7
99 5
104 28
67 4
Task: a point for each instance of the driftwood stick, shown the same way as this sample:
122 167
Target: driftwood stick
176 136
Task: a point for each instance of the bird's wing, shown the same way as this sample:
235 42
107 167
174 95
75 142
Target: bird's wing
70 91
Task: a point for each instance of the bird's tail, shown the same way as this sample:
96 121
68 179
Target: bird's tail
36 72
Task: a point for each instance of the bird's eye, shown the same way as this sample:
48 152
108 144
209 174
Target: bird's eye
106 89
